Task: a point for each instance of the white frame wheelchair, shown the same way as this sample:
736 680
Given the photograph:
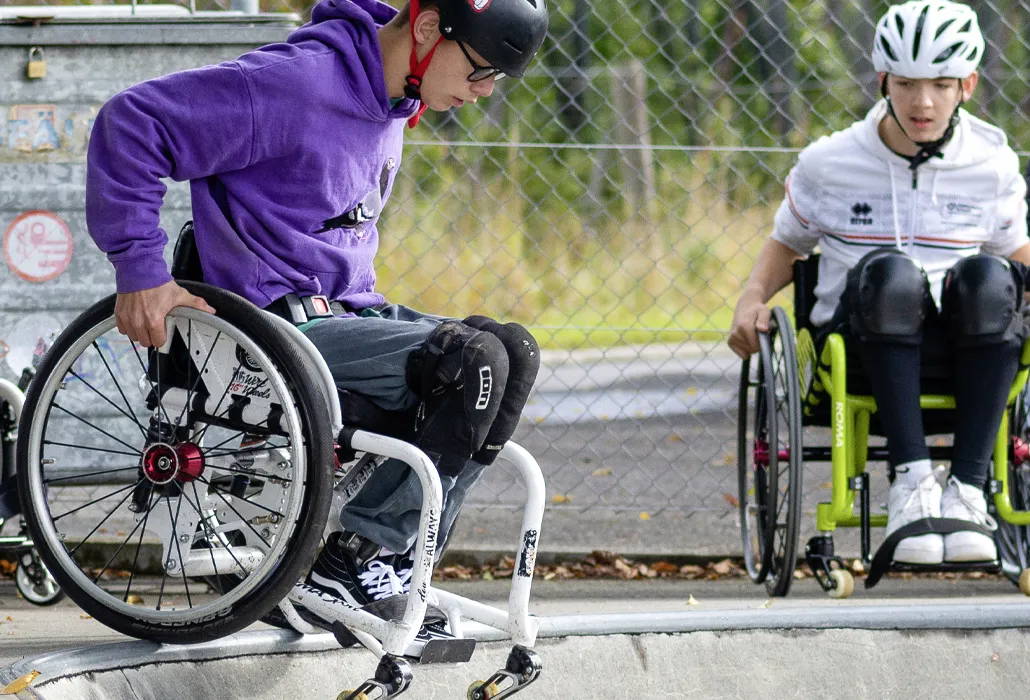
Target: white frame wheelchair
221 445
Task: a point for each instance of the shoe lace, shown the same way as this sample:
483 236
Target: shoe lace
380 580
920 497
976 514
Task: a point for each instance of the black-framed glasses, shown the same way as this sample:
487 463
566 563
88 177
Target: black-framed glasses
479 72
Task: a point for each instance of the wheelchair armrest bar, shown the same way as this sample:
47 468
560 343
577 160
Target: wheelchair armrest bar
401 634
316 358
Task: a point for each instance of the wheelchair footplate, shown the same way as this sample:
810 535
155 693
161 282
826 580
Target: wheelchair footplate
883 560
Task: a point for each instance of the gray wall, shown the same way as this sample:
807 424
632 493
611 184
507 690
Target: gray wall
44 131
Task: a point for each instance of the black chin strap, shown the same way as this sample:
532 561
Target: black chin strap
927 149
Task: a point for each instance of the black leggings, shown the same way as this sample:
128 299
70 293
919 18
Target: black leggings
981 378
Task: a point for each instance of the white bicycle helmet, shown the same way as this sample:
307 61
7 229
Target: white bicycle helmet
928 39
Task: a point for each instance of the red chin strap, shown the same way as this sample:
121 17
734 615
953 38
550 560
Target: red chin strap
413 82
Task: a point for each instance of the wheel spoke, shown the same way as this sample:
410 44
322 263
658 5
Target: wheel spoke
221 495
59 407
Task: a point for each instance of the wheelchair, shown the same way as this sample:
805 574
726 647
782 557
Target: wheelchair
790 388
224 451
32 580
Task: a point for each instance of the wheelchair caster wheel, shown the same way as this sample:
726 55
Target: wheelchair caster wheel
34 582
346 695
1024 582
479 690
843 584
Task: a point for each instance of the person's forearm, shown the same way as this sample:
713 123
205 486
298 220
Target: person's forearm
773 270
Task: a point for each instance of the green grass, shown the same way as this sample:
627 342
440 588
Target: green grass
624 282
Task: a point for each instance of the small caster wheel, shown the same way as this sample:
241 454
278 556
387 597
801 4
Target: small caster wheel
1024 582
844 584
488 691
347 693
34 582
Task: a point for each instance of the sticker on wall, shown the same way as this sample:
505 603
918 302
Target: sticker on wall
30 337
38 246
32 128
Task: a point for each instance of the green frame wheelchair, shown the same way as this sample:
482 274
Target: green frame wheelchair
785 388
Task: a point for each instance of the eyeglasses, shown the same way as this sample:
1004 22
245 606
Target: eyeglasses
480 73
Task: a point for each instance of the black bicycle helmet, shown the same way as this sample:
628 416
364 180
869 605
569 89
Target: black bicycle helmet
506 33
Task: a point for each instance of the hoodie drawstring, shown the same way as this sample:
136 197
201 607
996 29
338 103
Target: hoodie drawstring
894 207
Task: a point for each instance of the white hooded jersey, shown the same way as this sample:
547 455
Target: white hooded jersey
850 194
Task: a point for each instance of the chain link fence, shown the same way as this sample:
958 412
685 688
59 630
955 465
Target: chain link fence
614 200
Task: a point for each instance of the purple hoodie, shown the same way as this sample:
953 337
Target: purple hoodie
290 151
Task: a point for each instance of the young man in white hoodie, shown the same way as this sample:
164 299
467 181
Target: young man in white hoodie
920 216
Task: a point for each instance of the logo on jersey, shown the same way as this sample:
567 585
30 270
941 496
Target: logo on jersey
860 214
479 5
961 214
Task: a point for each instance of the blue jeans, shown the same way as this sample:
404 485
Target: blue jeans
368 355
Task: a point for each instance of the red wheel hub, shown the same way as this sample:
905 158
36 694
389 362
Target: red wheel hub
761 453
191 462
163 463
1020 451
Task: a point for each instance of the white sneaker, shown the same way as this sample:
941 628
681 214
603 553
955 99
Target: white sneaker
966 502
906 504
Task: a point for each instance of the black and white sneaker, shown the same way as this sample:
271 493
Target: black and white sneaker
356 570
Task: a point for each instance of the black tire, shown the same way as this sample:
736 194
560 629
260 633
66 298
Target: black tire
752 472
259 510
769 450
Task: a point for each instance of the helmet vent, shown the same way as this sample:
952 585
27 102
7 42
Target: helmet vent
967 26
944 26
948 53
919 32
887 49
513 47
974 54
901 24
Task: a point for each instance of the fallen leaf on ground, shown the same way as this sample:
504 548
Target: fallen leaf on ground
723 567
665 568
645 516
692 600
766 604
601 472
995 656
19 684
731 499
560 498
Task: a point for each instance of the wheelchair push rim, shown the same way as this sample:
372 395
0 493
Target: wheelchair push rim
215 508
769 459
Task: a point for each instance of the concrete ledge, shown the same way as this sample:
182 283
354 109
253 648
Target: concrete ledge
885 651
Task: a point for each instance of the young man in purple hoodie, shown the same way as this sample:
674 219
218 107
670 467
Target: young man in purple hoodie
291 151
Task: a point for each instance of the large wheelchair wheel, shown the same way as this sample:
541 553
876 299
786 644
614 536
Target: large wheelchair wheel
769 458
1013 541
146 474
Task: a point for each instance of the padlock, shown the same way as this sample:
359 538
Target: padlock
36 68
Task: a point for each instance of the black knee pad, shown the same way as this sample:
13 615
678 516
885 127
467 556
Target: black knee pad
983 302
523 366
888 296
459 373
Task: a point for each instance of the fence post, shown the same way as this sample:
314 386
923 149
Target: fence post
629 88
